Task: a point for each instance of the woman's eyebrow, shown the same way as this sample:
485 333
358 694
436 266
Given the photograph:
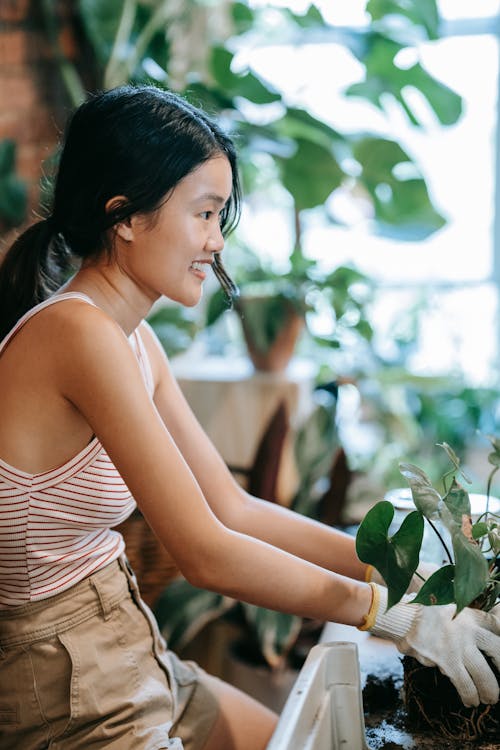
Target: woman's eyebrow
212 197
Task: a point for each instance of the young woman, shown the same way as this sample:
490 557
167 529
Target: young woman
94 422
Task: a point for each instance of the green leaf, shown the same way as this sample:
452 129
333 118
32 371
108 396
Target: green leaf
246 85
395 558
421 13
7 156
276 632
458 504
311 174
13 191
425 497
311 19
183 610
438 589
479 529
454 459
175 327
398 200
101 21
471 570
243 17
217 305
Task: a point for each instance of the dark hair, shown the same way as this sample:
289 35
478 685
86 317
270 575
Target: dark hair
138 142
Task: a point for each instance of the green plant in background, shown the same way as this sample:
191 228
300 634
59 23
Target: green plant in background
270 637
13 193
267 296
175 326
472 575
285 151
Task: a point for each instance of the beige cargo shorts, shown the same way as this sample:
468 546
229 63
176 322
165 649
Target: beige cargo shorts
89 668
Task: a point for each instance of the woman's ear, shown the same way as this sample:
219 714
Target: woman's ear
123 228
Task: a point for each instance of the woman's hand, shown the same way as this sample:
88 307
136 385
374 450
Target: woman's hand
436 637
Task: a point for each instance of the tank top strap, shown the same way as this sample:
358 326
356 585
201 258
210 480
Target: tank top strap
34 310
144 362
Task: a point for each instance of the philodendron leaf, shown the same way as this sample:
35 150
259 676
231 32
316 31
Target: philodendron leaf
438 589
471 570
457 503
479 529
454 460
425 497
395 557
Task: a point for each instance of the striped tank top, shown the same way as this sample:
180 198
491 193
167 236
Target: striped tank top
56 526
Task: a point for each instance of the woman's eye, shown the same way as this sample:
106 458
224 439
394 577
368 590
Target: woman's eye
206 214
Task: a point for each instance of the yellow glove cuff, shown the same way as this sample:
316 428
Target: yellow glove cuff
369 619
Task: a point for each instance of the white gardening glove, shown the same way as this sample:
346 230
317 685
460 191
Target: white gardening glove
435 638
425 569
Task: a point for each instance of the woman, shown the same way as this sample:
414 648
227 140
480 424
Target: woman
93 420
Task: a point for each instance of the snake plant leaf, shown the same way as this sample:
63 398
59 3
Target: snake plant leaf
425 497
183 610
471 570
276 632
438 589
395 557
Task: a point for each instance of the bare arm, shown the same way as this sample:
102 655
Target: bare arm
98 373
301 536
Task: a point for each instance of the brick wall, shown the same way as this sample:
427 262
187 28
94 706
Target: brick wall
33 102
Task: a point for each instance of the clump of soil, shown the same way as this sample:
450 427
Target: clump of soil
432 702
380 694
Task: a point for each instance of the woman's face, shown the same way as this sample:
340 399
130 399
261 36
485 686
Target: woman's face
171 255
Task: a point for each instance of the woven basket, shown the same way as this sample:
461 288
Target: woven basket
149 559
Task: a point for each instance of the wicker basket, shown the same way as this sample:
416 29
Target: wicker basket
149 559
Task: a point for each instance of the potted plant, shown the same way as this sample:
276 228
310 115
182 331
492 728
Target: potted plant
270 645
275 307
469 577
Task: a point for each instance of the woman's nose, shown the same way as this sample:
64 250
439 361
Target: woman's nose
216 240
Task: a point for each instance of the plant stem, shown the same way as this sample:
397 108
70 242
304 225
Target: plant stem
123 32
436 530
69 74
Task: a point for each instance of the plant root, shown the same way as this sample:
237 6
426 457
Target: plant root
432 702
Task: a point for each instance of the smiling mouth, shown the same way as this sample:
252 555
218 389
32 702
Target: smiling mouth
198 265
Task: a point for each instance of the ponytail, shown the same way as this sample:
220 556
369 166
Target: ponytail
31 271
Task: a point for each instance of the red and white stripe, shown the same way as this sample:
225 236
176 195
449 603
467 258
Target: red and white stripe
56 526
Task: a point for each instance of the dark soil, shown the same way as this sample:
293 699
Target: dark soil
388 725
433 703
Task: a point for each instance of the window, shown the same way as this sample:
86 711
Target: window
454 275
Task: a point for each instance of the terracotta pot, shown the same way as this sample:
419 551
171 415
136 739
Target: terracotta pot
277 356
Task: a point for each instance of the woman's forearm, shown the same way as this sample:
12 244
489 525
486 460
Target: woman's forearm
301 536
257 572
